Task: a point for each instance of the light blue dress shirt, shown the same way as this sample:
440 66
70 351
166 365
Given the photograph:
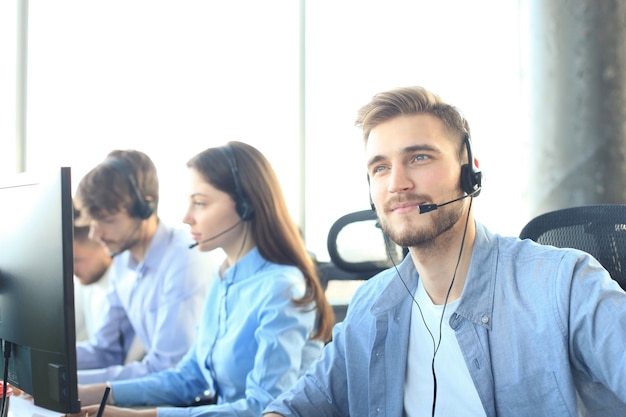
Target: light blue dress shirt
542 331
252 344
159 301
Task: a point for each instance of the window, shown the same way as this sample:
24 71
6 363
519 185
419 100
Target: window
172 78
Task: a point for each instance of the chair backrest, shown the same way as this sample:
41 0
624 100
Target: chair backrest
358 250
597 229
365 264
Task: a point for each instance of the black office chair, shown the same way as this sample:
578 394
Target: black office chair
358 250
597 229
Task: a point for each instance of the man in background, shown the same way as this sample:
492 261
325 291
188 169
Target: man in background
91 266
157 285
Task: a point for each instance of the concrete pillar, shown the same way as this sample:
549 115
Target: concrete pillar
577 95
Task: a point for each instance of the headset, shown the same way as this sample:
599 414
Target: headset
244 207
471 176
142 207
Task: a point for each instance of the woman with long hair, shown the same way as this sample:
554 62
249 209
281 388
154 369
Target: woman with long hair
266 317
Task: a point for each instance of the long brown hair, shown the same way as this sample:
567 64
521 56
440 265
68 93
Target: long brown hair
273 229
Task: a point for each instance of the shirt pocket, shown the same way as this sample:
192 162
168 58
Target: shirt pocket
536 395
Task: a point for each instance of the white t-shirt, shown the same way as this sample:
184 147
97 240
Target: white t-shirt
456 394
89 302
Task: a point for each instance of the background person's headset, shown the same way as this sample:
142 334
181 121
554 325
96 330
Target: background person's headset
244 207
142 207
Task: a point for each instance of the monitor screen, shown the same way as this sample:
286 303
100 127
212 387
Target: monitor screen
37 289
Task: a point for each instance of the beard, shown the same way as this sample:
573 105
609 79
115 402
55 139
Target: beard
134 238
442 220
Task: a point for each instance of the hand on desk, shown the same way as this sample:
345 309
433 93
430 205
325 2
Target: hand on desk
112 411
92 394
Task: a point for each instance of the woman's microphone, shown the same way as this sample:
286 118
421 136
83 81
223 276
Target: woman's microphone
193 245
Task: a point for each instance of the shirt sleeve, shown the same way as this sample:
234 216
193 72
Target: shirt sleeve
164 320
172 386
281 332
593 306
174 321
322 389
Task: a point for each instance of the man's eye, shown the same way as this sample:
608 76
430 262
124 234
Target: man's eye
420 157
379 168
199 204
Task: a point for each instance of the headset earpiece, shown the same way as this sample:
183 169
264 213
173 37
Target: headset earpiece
142 207
471 177
244 207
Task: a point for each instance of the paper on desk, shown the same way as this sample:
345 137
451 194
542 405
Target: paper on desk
22 406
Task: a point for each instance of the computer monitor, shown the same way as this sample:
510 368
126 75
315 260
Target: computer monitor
36 288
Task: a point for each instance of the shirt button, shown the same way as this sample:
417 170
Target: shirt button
455 321
484 319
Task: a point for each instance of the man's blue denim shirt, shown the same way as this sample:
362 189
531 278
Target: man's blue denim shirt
542 330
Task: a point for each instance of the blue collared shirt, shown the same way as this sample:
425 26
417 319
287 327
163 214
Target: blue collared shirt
252 344
159 301
542 331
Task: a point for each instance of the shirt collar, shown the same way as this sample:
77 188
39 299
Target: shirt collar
403 280
477 300
245 268
476 303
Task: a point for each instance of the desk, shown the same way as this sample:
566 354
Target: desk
22 406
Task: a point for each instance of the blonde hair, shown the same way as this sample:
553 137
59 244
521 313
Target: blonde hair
408 101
